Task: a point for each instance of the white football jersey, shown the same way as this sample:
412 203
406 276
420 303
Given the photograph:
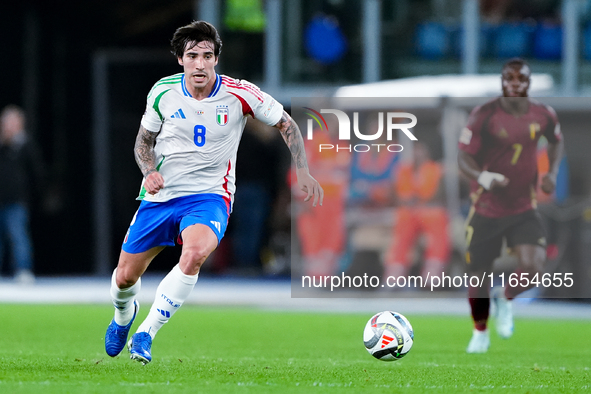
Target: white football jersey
198 140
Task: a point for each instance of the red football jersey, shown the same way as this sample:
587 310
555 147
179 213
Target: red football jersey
507 144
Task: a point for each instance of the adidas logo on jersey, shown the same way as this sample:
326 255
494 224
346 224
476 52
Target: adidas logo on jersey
216 225
178 114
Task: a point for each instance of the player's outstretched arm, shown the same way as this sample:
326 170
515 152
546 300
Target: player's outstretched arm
146 160
554 157
293 139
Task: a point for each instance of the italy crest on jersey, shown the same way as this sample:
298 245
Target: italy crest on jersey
221 115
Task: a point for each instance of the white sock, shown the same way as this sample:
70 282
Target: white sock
170 295
123 300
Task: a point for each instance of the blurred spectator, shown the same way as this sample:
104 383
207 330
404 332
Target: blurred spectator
322 230
495 11
373 168
21 169
420 211
372 172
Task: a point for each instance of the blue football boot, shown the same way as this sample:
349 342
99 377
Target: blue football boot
116 335
140 346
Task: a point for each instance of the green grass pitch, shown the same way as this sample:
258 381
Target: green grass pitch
59 349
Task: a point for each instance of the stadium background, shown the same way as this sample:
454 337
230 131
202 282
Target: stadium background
55 54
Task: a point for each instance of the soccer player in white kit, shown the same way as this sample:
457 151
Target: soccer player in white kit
186 149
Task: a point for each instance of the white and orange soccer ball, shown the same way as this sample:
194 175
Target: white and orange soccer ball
388 336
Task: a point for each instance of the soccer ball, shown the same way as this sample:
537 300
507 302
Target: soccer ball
388 336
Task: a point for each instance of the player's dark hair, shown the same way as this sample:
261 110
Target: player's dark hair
515 62
193 33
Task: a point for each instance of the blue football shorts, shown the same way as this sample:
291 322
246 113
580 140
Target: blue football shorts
161 223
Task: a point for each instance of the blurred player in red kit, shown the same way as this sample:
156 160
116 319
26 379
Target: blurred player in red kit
498 153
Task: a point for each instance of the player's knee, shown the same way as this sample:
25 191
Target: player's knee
125 278
194 257
531 258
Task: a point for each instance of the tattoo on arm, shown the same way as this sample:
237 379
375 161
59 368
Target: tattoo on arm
293 139
144 151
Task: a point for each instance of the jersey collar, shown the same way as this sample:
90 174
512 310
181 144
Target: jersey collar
216 86
214 90
184 87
